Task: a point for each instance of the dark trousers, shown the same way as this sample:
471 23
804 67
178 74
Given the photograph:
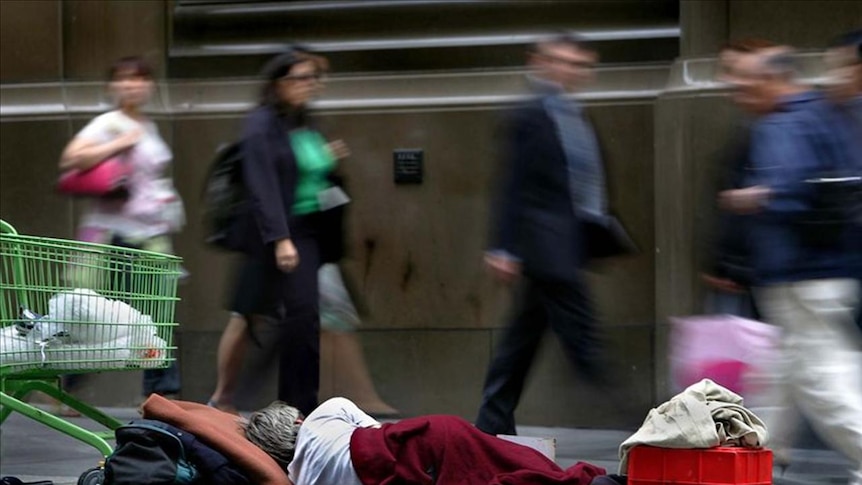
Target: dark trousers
160 381
284 318
566 308
299 333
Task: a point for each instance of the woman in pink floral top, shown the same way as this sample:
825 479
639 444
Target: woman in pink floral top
150 209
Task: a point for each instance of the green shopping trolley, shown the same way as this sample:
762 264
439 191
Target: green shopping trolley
70 307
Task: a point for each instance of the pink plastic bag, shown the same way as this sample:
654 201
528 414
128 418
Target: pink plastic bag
732 351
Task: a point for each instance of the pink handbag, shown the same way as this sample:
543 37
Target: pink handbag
107 178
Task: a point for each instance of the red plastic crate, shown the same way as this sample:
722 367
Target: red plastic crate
715 466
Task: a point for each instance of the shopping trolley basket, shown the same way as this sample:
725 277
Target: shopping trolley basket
69 307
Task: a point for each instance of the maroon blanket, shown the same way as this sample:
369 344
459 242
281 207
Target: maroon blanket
448 450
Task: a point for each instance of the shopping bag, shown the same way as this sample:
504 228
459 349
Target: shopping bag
337 311
106 179
738 353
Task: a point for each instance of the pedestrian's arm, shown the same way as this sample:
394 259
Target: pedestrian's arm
784 158
83 152
508 201
261 176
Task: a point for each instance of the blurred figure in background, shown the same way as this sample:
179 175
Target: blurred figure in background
728 274
287 231
552 180
151 211
844 61
802 266
339 319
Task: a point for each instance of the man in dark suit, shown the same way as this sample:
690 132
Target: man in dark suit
553 184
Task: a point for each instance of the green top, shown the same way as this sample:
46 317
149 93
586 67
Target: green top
314 163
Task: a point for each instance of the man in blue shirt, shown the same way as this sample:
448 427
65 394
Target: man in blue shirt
803 272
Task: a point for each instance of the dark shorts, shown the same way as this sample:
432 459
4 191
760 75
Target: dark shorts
257 288
262 289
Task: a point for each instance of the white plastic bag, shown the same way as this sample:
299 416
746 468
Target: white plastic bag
89 318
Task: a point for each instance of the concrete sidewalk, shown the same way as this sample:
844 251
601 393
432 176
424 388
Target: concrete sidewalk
31 451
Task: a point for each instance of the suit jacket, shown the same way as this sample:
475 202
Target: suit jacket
270 175
535 218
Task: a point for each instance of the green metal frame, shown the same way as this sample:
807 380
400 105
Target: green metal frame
13 391
32 264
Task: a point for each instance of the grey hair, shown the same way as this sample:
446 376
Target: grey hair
274 430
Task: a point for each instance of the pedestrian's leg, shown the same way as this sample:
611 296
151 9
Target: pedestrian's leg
229 359
511 364
299 367
571 317
826 373
780 412
352 377
165 382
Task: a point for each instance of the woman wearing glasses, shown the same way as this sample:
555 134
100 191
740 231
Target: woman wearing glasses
286 232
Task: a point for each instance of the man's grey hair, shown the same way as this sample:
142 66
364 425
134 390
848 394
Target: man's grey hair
274 430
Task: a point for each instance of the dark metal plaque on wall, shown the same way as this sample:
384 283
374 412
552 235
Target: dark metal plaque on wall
408 165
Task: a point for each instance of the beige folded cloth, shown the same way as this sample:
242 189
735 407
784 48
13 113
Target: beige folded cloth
705 415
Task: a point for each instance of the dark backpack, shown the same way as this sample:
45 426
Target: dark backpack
149 453
224 195
210 467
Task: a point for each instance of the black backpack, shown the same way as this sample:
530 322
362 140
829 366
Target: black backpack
149 453
224 195
169 454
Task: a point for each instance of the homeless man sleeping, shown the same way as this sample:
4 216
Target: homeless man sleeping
340 444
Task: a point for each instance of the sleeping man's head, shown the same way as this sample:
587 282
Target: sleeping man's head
274 430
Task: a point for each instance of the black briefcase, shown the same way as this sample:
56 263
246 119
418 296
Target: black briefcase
606 237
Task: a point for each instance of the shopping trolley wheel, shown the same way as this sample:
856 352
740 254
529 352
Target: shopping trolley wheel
93 476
